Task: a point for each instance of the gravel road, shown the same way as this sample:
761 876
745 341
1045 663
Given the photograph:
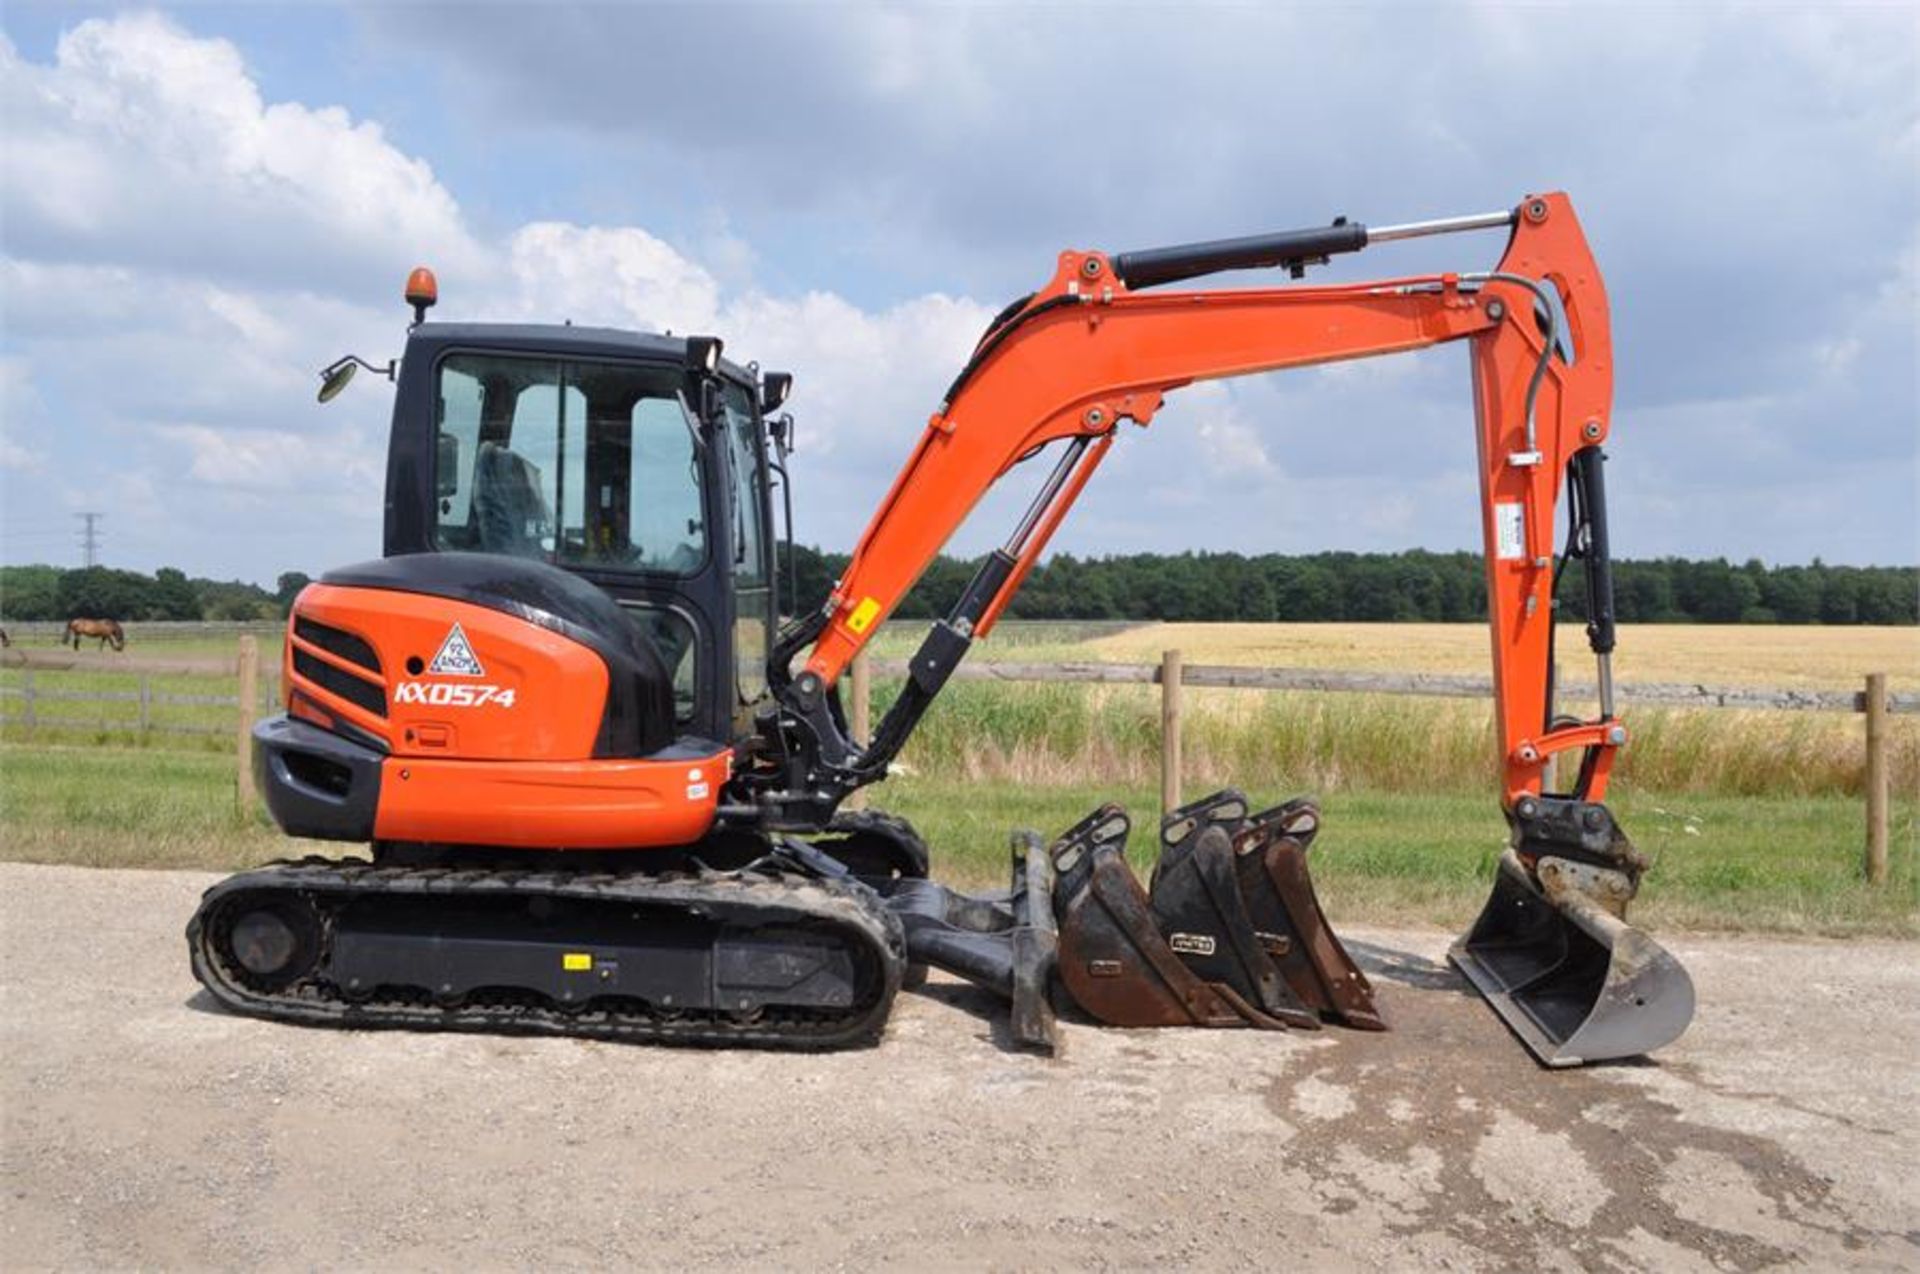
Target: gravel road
144 1127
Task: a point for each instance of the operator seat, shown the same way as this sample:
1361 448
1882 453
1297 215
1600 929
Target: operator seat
507 502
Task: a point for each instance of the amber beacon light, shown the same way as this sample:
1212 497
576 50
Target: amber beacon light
423 290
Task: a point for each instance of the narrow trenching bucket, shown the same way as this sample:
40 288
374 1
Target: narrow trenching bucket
1114 960
1573 980
1312 974
1197 906
1271 859
1229 933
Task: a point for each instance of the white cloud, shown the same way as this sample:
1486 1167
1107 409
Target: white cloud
171 355
23 414
606 276
269 460
182 253
144 145
1230 447
864 376
19 458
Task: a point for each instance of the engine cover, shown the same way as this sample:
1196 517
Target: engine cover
465 699
479 657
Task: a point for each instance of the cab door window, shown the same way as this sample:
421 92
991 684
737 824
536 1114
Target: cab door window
746 511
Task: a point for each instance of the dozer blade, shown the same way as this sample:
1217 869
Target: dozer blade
1114 960
1568 975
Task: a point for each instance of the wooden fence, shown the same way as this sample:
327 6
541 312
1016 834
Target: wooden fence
250 697
1172 674
38 668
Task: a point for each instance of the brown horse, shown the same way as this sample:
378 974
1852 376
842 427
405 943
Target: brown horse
107 630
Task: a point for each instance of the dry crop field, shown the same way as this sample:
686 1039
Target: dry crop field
1056 733
1797 657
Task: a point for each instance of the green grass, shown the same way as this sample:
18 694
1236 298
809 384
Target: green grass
125 807
117 720
1053 733
1790 865
1782 864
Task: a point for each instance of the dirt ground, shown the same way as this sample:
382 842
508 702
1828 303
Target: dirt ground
144 1127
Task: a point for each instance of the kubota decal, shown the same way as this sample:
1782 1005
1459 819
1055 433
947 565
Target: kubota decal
456 657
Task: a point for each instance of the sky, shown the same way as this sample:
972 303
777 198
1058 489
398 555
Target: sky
201 205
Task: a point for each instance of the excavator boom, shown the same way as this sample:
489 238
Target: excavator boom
1098 346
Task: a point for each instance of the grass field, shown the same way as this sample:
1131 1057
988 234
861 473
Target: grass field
1786 865
1754 817
1787 656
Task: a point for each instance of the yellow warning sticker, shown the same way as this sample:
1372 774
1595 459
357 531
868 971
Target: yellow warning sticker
576 962
862 617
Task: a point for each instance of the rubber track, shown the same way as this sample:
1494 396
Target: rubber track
759 899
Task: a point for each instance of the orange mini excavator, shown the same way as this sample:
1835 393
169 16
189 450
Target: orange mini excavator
602 785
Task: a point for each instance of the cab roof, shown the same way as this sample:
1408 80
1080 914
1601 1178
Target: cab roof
562 340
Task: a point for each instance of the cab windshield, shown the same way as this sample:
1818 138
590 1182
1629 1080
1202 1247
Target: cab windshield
575 463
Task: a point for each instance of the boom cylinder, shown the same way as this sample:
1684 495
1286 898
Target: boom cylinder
1294 249
1442 225
1152 267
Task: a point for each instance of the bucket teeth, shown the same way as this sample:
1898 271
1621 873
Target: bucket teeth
1552 951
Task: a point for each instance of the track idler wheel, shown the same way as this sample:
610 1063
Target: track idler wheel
270 943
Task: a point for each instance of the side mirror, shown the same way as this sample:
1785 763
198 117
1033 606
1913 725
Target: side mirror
446 465
335 379
775 389
335 375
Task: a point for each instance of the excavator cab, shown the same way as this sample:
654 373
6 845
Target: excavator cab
624 459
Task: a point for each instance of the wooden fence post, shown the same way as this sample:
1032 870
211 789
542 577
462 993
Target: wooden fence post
243 738
1876 778
862 712
1169 732
26 697
146 703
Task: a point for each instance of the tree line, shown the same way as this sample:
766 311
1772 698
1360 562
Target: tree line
99 592
1398 587
1366 587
